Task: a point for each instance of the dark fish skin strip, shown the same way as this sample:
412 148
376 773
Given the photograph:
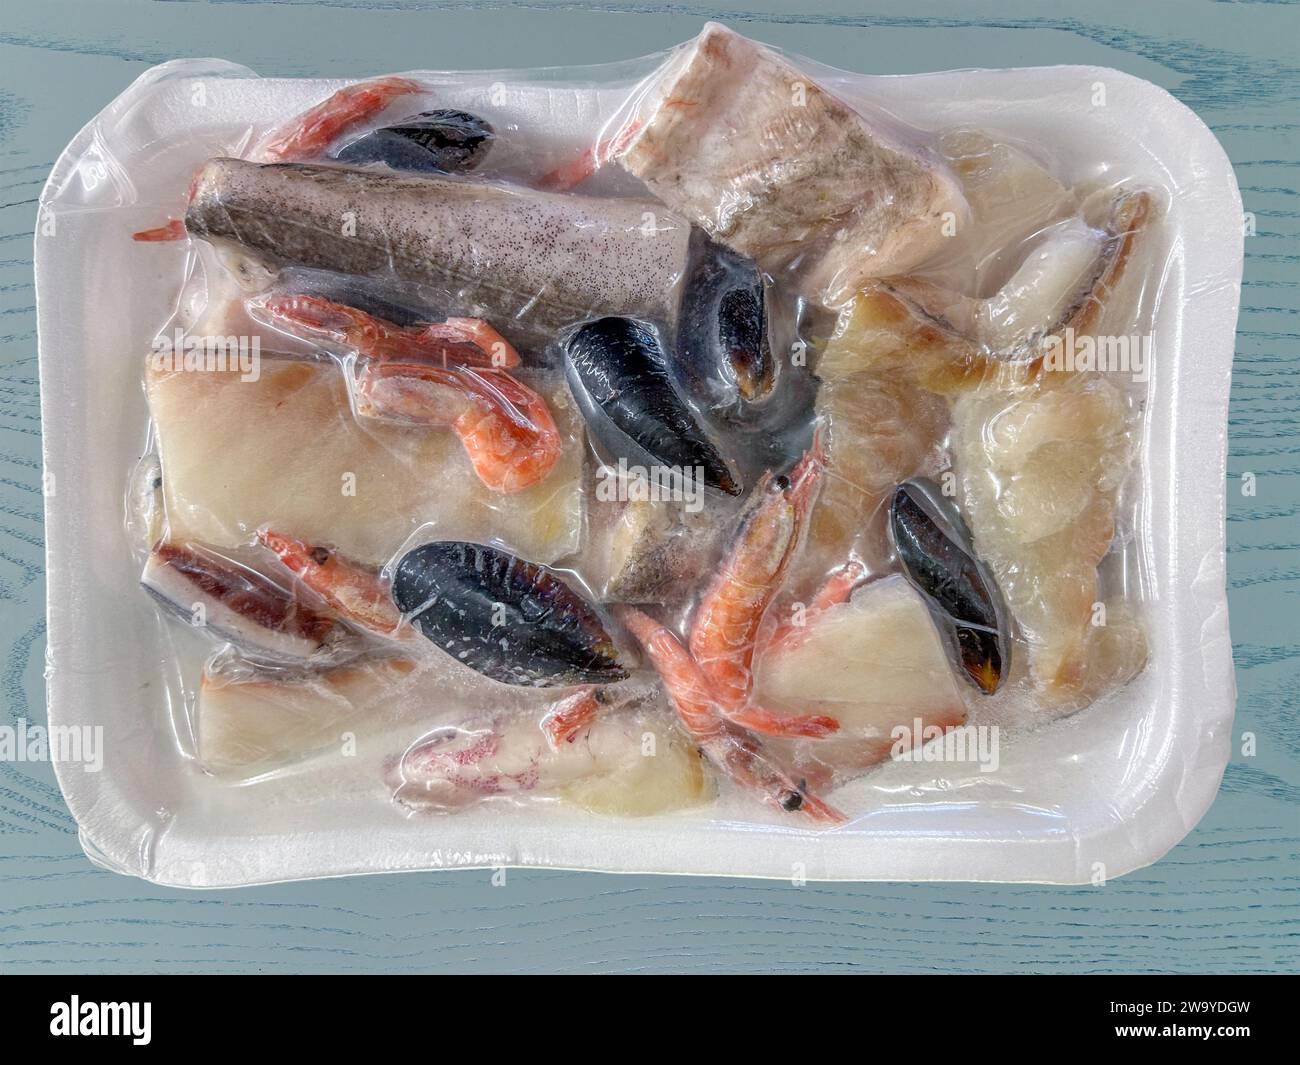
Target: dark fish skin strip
618 367
511 620
246 593
939 560
519 257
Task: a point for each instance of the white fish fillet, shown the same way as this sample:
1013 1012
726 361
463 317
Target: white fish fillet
744 144
286 450
873 663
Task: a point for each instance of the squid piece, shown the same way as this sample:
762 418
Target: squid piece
754 151
632 763
233 602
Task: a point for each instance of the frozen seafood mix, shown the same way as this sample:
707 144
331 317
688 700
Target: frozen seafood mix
706 468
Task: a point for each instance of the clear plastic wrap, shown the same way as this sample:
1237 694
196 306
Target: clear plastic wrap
622 467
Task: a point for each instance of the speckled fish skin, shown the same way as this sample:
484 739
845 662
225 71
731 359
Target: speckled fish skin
521 257
506 618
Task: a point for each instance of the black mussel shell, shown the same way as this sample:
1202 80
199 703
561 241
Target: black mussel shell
723 353
618 372
939 560
438 142
511 620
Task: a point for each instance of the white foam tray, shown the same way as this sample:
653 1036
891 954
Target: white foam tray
1110 790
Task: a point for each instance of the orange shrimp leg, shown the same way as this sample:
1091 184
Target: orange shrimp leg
572 714
837 589
739 756
309 135
172 229
572 174
455 342
727 623
506 428
356 593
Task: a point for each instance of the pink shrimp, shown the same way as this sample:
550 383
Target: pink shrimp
730 750
356 593
506 428
311 133
456 341
573 173
837 589
572 714
727 622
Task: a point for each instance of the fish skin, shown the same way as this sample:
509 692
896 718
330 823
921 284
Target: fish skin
528 259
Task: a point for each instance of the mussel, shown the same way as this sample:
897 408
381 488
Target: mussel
723 356
939 560
435 142
509 619
618 372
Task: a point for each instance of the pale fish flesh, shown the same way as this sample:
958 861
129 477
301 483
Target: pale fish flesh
1040 470
285 450
874 663
751 149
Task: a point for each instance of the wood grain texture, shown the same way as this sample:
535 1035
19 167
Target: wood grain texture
1226 899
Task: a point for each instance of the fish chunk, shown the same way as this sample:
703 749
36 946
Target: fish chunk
879 431
872 663
1039 473
285 450
525 260
755 152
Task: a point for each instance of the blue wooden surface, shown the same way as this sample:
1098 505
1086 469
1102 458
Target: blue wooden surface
1226 899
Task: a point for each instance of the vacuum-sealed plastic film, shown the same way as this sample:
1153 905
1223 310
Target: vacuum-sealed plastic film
695 469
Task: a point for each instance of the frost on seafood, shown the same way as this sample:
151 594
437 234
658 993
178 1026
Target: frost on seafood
747 146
